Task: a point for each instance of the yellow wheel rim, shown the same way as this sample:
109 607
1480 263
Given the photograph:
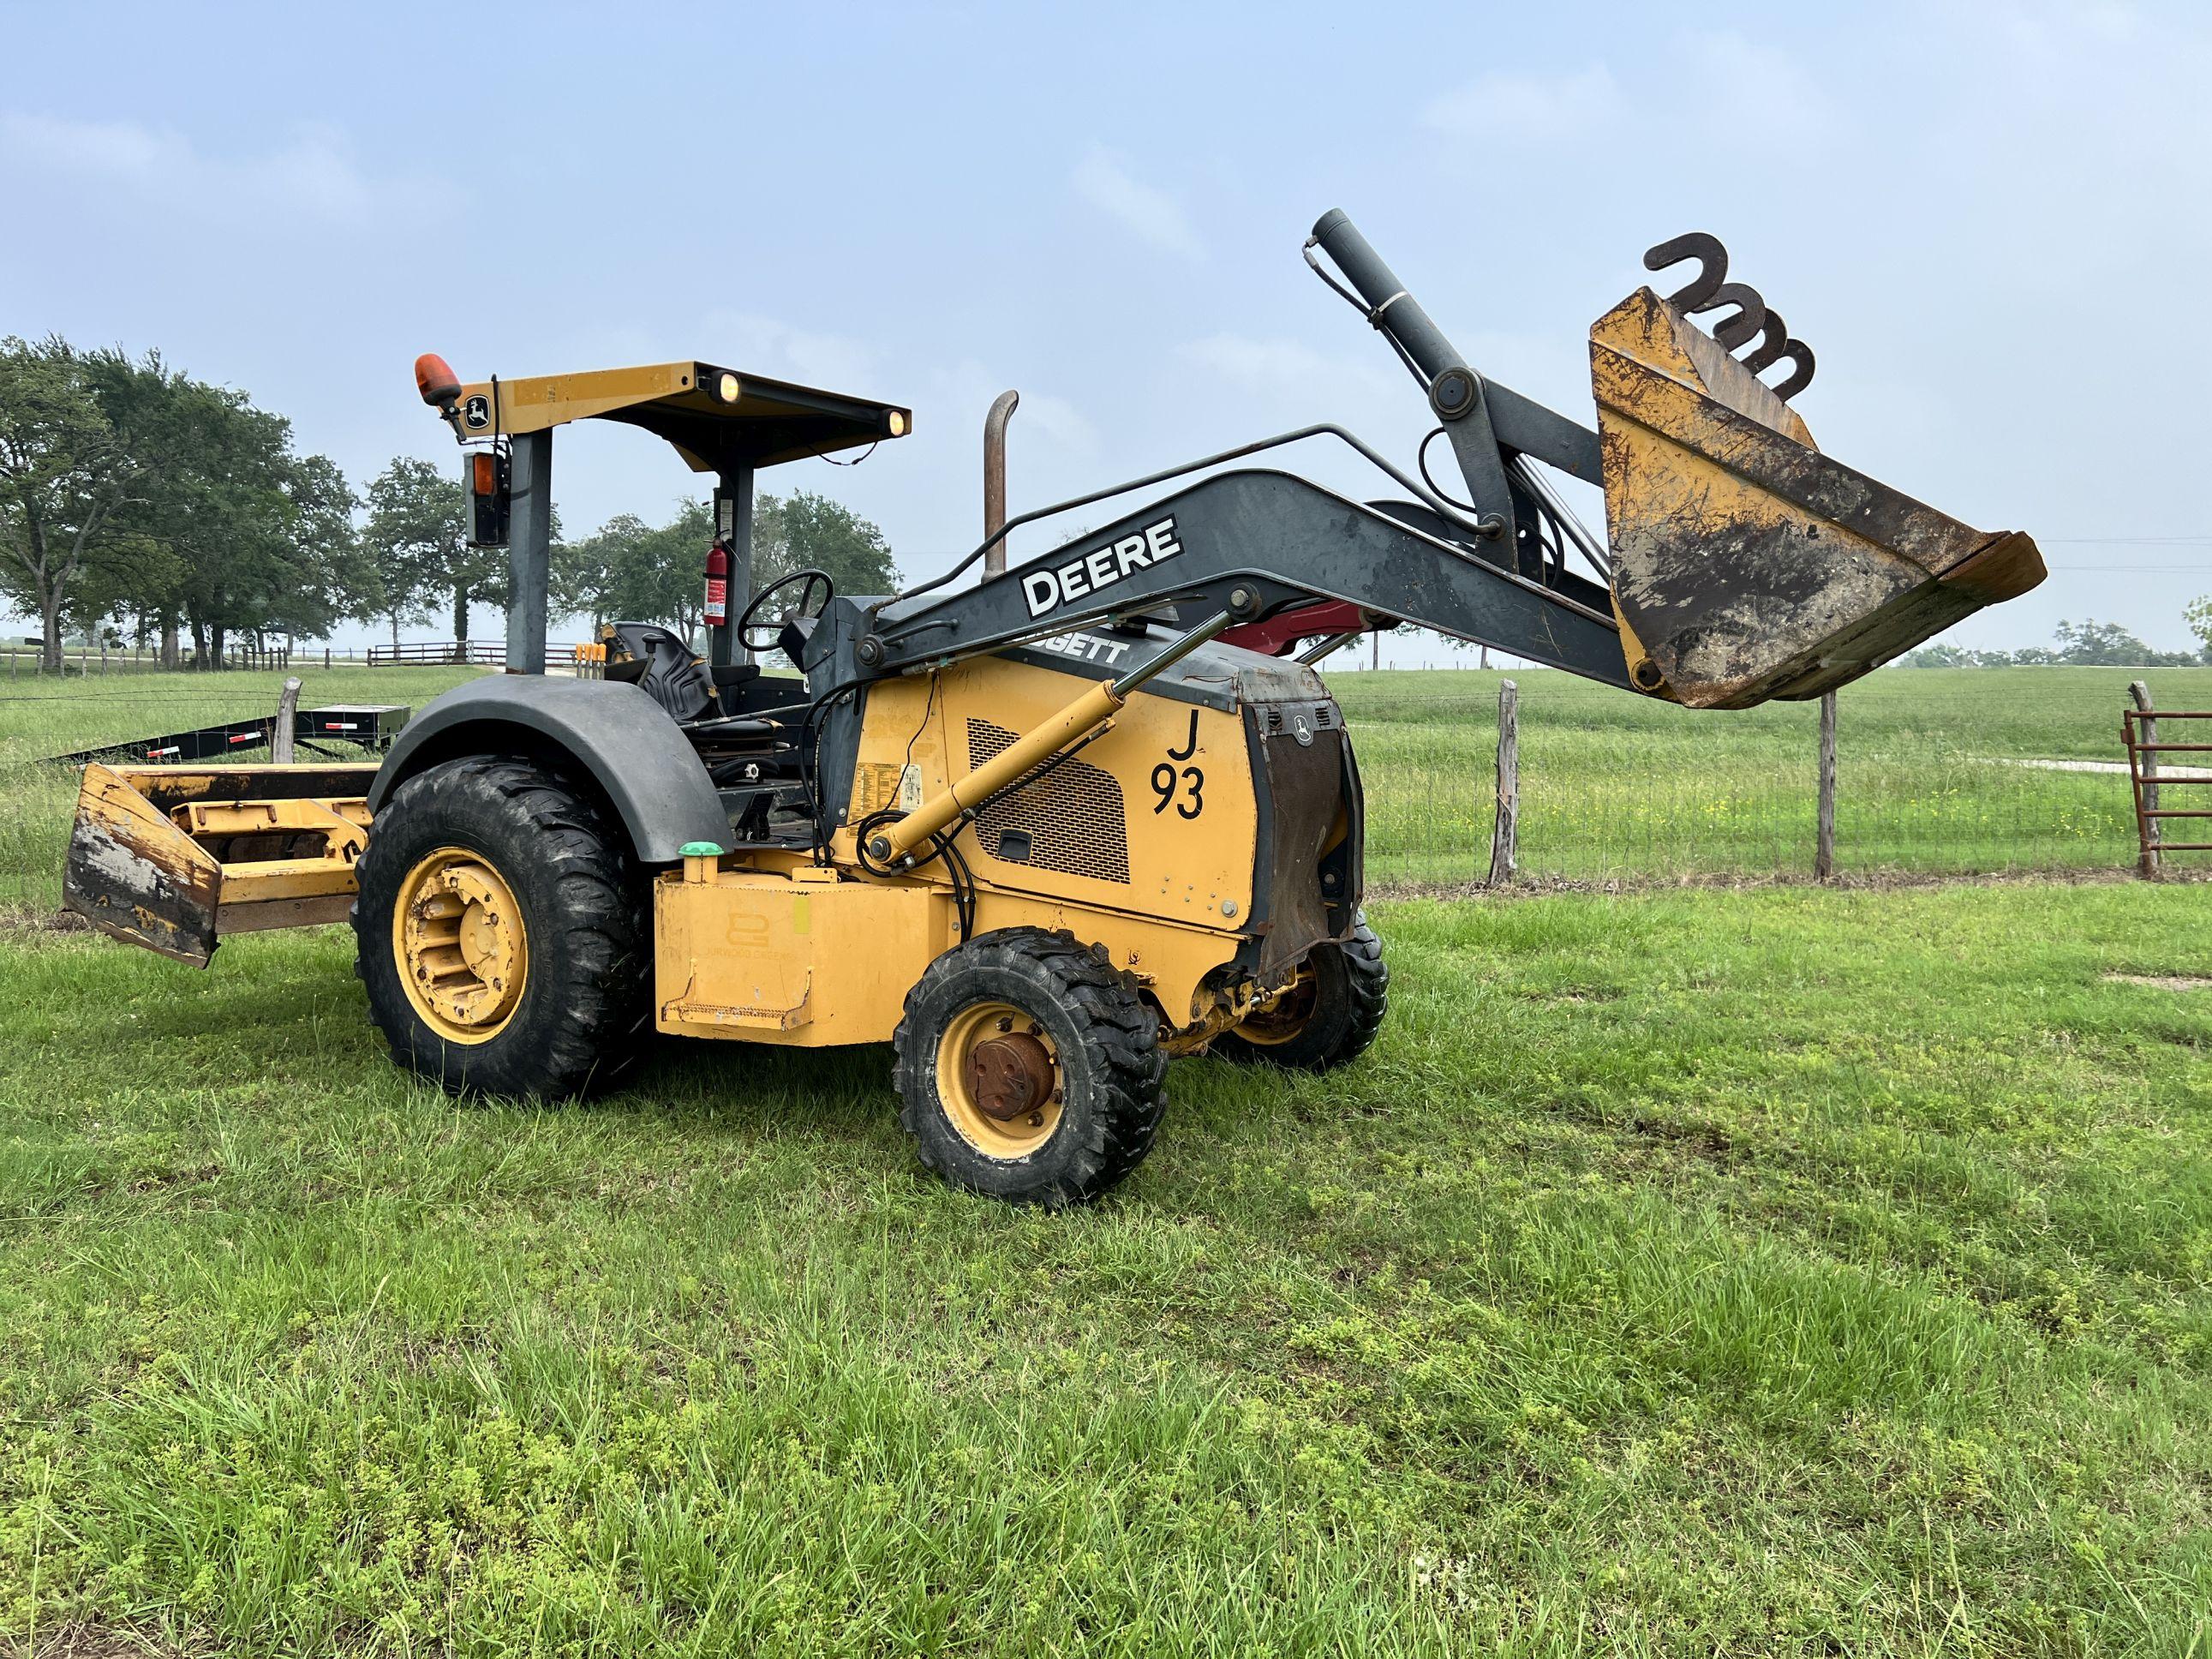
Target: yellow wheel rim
1283 1018
999 1076
457 938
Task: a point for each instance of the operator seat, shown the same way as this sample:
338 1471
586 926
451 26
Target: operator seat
661 666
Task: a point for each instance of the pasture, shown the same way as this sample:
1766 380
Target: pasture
1931 775
1778 1270
1614 788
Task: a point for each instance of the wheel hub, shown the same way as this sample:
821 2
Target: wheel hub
1283 1016
460 944
1010 1076
998 1074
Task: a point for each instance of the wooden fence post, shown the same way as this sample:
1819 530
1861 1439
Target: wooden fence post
1824 839
1504 838
288 719
2139 690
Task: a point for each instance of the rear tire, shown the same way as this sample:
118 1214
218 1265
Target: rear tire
1028 1069
1331 1017
501 931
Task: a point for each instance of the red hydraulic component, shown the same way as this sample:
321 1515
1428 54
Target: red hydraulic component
1284 631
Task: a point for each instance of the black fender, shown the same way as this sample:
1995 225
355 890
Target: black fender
617 735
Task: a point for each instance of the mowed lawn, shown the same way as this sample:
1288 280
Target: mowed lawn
1790 1271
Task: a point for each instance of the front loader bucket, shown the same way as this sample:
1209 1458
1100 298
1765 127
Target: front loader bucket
172 858
1746 564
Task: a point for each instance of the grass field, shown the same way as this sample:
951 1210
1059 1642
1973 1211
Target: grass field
1619 786
1783 1271
1613 786
41 717
1789 1270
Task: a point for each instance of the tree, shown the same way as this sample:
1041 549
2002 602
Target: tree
230 530
632 571
2199 616
65 471
2088 644
2103 644
416 539
805 529
336 578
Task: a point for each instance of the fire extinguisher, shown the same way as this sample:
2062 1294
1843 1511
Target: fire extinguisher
717 585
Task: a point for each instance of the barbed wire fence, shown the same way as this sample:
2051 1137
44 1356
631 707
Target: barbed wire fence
1603 798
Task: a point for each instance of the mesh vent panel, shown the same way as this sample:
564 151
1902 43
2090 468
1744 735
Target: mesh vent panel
1072 815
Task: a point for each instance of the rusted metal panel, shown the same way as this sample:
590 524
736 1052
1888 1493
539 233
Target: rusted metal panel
267 916
132 873
175 860
1747 564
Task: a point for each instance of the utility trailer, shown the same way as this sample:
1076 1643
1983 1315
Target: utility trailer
1042 832
365 725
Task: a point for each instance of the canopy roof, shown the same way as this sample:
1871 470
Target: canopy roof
765 423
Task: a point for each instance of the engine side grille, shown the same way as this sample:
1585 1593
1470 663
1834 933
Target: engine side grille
1072 817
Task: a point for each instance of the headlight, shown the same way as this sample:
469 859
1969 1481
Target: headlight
727 388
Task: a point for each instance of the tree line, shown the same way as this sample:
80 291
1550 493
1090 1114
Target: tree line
2089 645
139 504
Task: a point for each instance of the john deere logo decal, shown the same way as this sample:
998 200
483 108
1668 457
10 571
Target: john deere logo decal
1048 590
477 412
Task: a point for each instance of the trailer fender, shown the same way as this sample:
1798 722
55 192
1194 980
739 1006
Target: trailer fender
615 734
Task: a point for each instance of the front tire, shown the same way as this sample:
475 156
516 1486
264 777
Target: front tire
501 932
1028 1069
1330 1016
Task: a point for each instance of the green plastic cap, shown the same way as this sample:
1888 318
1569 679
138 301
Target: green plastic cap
700 850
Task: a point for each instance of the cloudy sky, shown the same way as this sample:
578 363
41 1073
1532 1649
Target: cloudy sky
1989 221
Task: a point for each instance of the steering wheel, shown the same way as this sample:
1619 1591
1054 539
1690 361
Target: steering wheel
816 590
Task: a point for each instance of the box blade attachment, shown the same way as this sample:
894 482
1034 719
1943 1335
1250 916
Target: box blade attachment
175 859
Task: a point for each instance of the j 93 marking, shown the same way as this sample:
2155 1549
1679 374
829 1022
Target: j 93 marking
1190 782
1185 790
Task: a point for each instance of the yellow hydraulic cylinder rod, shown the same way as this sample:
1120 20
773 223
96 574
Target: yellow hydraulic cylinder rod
1071 725
1093 709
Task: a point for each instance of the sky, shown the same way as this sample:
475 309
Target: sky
1990 222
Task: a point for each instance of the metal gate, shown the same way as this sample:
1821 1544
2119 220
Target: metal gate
2139 730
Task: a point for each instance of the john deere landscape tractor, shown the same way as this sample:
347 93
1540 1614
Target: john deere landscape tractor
1043 831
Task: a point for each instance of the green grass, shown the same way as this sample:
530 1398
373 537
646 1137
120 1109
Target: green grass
1613 786
1787 1271
1618 785
42 717
1777 1271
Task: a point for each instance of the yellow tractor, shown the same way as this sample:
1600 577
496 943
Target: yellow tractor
1044 830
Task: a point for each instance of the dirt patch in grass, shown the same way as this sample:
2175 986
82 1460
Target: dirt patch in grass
2163 981
21 919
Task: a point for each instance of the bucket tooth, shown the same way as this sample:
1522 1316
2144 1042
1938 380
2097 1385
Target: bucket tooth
1746 564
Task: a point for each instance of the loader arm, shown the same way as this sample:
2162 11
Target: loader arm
1254 543
1740 562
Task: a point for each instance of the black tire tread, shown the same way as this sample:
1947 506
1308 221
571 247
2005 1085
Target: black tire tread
1355 986
602 965
1118 1028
